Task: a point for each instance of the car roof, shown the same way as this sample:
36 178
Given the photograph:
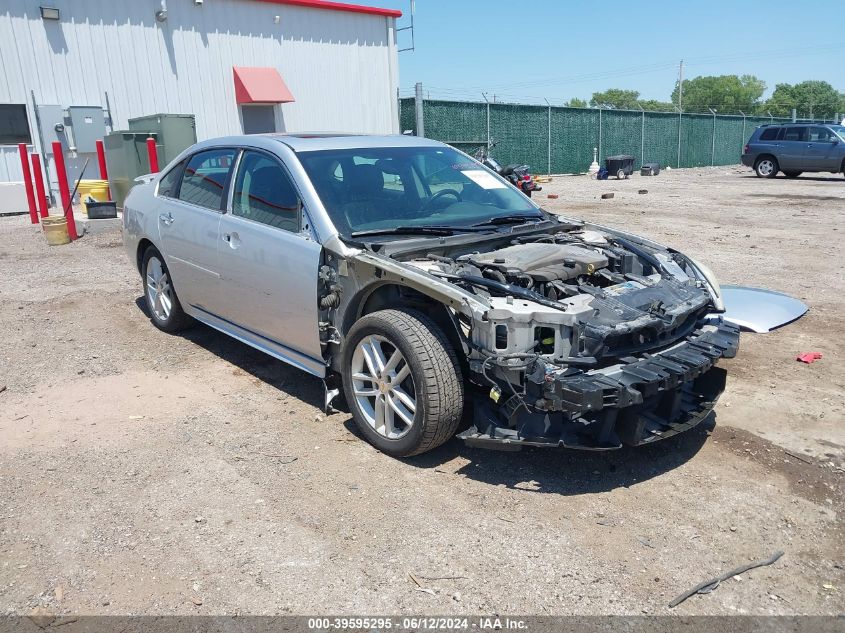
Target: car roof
312 142
794 123
316 141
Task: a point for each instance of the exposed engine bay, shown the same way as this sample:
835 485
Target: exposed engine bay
590 340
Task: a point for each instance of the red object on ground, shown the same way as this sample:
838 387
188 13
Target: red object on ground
153 154
260 85
809 357
38 177
101 159
27 183
64 191
553 196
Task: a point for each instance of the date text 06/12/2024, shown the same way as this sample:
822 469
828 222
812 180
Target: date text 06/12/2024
417 623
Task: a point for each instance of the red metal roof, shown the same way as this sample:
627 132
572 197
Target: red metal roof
339 6
260 85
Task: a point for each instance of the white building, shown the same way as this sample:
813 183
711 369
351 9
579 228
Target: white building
239 66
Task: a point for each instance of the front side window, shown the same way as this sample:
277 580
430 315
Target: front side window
205 177
265 193
795 134
821 135
387 187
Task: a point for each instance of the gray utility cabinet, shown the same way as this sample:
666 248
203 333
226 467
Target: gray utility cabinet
175 133
88 125
126 159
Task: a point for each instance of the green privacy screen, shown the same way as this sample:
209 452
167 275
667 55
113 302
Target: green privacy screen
561 140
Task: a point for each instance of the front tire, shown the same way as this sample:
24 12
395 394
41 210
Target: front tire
159 294
767 167
403 382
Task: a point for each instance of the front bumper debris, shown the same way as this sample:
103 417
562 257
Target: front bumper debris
638 401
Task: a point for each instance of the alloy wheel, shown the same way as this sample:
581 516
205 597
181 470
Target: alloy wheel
159 289
383 387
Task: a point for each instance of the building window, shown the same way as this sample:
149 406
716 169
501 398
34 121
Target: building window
14 124
258 119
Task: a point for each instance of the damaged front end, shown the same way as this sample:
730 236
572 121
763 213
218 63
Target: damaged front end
589 338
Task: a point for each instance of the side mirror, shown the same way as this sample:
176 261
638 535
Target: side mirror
835 141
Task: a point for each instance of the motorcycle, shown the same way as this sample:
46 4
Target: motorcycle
518 175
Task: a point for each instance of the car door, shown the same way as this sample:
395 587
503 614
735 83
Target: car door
792 148
189 222
823 153
268 264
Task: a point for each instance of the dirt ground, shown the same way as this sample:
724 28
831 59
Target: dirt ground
155 474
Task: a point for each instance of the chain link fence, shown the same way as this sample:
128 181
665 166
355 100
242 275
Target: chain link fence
559 140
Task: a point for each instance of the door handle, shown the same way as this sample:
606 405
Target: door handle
166 219
233 239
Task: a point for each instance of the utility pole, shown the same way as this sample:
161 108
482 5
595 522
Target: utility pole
487 101
681 85
418 107
549 163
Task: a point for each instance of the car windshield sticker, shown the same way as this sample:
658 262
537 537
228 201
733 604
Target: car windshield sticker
484 179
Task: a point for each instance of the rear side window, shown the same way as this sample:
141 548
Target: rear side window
770 134
795 134
169 183
205 177
264 193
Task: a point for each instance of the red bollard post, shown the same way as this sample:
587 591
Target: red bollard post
38 176
153 153
27 183
101 159
64 191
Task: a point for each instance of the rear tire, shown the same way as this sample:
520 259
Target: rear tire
159 294
383 388
767 167
792 174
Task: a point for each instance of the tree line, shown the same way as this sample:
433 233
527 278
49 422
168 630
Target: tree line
730 94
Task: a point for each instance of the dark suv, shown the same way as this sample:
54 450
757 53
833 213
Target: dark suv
794 148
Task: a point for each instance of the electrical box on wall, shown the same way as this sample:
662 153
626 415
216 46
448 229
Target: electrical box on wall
52 121
88 124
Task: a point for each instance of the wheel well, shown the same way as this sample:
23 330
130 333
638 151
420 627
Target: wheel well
143 245
396 296
762 156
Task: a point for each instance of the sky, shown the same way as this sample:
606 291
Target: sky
556 49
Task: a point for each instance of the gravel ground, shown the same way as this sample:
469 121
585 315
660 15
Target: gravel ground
152 474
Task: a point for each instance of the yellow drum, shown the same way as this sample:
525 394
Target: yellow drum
97 189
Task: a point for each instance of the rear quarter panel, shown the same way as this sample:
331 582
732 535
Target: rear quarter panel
140 219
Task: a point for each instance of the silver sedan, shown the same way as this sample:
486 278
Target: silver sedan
428 290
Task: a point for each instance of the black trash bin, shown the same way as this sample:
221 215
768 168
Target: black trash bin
650 169
620 166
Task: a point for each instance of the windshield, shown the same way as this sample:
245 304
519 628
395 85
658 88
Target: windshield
370 189
840 130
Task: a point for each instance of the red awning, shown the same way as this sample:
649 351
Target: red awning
260 85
